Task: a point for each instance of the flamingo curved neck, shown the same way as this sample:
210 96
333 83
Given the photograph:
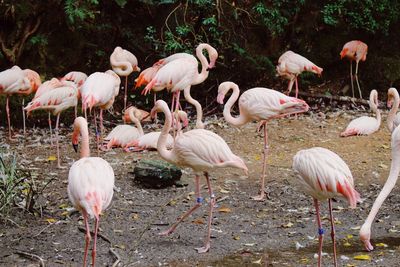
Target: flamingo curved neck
136 122
82 129
241 119
394 109
162 140
200 77
199 110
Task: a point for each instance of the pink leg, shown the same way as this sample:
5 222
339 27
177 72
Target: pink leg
320 232
8 116
58 146
262 180
126 92
332 232
96 228
101 123
87 237
199 201
155 99
23 116
51 130
212 203
297 88
351 77
97 133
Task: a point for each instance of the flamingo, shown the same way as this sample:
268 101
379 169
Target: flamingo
77 77
324 175
200 150
261 104
57 100
365 125
393 119
354 50
365 231
123 63
90 184
181 73
290 65
140 114
18 81
100 90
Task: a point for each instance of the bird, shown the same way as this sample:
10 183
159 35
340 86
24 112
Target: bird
180 74
393 118
56 100
100 90
365 231
260 104
77 77
201 150
365 125
90 184
140 114
123 63
354 50
290 65
324 175
18 81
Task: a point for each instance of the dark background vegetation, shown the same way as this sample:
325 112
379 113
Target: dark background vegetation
55 37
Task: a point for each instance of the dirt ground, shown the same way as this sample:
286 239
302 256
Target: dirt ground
280 231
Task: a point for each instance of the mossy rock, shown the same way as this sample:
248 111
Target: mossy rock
157 174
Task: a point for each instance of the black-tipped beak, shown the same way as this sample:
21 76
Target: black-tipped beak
75 147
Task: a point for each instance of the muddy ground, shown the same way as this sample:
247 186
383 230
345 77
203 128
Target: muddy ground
280 231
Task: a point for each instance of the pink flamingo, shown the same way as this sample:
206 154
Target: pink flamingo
140 114
365 125
90 184
261 104
123 63
200 150
365 231
100 90
354 50
18 81
77 77
393 119
57 100
180 74
290 65
324 175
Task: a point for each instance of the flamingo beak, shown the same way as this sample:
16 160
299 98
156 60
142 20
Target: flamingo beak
75 146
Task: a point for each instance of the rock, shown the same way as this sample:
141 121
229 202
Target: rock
156 173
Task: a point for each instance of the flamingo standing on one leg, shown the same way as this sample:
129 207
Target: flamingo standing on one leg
290 65
324 175
354 50
365 231
90 184
57 100
18 81
393 118
259 104
365 125
180 74
200 150
123 63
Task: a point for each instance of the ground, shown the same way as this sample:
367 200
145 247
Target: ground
280 231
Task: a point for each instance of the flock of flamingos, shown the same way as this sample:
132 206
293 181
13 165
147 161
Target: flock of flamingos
323 174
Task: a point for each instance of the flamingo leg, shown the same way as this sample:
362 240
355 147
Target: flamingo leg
87 237
297 87
57 141
358 84
23 116
51 130
199 201
8 116
320 232
212 203
101 123
332 232
97 133
96 228
261 196
126 91
155 100
351 77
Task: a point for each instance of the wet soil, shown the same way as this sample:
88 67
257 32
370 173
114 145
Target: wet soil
280 231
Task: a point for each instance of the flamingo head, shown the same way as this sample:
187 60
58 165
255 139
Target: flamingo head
182 116
365 237
75 139
392 94
34 79
223 89
343 53
212 54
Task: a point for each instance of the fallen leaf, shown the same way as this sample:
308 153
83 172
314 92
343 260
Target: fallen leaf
118 231
135 216
63 206
257 261
381 245
121 246
51 220
224 209
198 221
257 157
356 228
236 237
347 244
304 260
172 202
223 191
65 213
349 236
249 244
288 225
52 158
362 257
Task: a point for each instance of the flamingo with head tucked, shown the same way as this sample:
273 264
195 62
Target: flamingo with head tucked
77 77
90 184
261 104
365 125
393 118
290 65
324 175
123 63
201 150
18 81
140 114
357 51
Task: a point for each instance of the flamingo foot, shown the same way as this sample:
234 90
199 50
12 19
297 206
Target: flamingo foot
167 232
203 249
145 91
260 197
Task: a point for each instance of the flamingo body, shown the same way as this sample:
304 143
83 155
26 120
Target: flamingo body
123 62
149 141
77 77
122 135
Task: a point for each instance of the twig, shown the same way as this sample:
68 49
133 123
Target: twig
335 97
116 255
83 230
31 256
222 199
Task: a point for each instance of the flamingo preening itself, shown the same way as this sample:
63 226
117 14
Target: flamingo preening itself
393 118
